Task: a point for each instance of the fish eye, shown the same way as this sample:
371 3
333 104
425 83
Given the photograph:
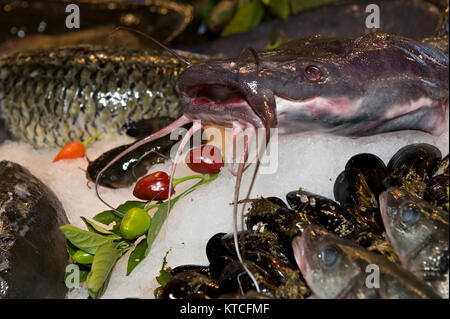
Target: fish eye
408 216
329 256
313 73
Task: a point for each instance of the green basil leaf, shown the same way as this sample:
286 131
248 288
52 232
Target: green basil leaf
94 228
137 255
247 16
84 240
104 261
164 277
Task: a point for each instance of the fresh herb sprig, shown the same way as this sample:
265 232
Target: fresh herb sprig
108 245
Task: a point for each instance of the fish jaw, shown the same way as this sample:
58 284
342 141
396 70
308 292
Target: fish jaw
324 283
220 93
391 202
298 247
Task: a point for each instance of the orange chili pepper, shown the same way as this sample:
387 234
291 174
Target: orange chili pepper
74 149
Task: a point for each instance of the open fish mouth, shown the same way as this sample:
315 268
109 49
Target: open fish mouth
218 104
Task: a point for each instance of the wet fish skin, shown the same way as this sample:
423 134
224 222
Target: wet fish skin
358 86
419 233
52 96
334 267
132 166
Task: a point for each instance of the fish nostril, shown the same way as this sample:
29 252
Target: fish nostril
313 73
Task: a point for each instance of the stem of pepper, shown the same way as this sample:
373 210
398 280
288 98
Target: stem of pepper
203 177
90 140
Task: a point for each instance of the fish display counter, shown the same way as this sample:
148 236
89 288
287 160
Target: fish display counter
224 149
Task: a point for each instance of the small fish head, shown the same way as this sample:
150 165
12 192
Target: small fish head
409 221
325 263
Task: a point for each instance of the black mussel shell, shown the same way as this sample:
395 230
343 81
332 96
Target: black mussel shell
372 168
323 211
277 269
221 249
201 269
415 162
216 267
352 192
351 189
249 241
437 191
190 285
215 248
284 223
442 167
234 279
365 162
277 201
251 294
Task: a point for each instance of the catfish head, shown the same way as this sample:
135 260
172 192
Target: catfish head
355 86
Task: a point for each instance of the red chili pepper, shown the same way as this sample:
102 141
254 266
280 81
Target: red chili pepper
205 160
74 149
154 186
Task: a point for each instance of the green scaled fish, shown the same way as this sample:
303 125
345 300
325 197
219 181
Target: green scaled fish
50 97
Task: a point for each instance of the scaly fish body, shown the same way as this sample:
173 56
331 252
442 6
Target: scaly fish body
51 97
419 233
334 267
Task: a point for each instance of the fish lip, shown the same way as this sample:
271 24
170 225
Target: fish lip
298 247
236 111
259 108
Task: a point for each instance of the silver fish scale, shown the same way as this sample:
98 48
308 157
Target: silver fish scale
51 97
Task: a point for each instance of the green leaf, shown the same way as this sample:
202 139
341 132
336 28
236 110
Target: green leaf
137 255
104 261
131 204
107 217
247 16
300 5
94 228
281 7
71 249
84 240
221 15
164 277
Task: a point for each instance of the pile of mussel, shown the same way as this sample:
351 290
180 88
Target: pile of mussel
396 213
